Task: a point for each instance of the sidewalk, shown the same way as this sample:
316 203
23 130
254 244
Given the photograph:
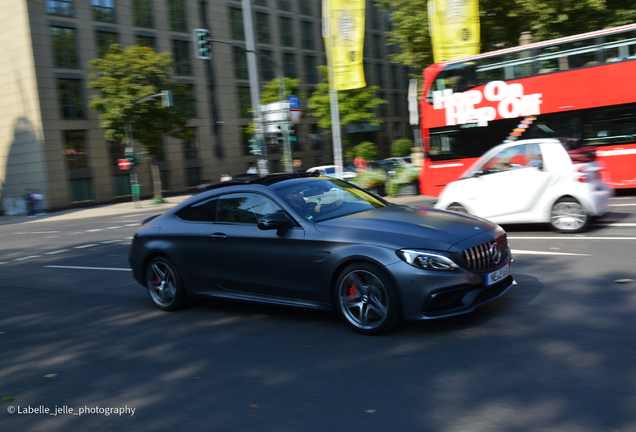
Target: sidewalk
147 206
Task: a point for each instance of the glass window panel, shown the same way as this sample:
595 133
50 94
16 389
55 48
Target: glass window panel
177 15
181 52
60 7
236 24
142 13
64 47
262 28
103 10
75 148
71 98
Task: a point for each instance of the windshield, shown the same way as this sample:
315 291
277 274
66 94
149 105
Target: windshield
322 199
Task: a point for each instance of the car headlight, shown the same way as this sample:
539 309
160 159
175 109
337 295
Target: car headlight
427 260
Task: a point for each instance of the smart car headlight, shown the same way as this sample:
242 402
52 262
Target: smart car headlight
427 260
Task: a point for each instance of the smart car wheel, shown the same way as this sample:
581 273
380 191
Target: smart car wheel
457 208
367 299
164 284
568 215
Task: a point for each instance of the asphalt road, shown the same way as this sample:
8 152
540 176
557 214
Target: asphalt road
557 353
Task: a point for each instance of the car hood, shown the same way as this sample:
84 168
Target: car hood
406 226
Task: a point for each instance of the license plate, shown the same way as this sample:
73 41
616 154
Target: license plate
498 275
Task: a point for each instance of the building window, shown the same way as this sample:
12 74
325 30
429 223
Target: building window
397 103
260 2
383 106
394 77
190 111
305 7
142 13
177 15
121 185
146 41
284 4
286 35
375 16
64 47
377 46
181 51
244 101
104 41
71 98
262 27
193 176
60 7
266 67
289 65
81 190
310 70
190 148
240 64
379 74
236 24
75 148
307 34
103 10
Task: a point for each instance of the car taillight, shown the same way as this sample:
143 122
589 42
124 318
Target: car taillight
582 178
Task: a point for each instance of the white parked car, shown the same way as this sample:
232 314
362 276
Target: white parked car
330 171
530 181
403 161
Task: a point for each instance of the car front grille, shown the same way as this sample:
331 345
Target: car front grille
481 257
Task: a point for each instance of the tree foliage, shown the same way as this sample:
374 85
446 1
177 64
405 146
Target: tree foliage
355 106
270 92
401 147
125 77
502 22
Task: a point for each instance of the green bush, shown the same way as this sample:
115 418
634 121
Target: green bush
366 150
402 176
369 178
401 147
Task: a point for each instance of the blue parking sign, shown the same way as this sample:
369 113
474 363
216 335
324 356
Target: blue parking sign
294 102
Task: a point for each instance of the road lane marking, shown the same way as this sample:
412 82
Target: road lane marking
115 227
111 241
525 252
56 252
621 205
3 263
26 258
95 230
38 232
134 224
85 246
614 224
87 268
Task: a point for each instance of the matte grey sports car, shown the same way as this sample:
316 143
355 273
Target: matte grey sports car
318 242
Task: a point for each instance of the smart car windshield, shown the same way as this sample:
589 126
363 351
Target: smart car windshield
322 199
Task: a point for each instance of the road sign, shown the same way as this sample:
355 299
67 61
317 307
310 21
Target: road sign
295 115
294 102
123 164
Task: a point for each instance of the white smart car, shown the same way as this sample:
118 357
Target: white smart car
531 181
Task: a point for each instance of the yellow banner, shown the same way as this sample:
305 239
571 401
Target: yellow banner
454 28
346 28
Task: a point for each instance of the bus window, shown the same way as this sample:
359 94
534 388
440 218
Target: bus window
458 77
611 127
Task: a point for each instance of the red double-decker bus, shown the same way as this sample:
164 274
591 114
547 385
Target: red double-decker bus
580 87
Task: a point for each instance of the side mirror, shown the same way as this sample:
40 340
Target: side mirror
277 221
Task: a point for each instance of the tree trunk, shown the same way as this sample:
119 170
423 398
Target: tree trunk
156 182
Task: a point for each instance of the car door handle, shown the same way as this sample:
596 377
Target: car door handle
218 236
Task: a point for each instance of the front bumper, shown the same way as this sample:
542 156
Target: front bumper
431 295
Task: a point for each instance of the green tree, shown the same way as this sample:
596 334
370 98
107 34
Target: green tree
270 92
501 23
124 78
401 147
355 106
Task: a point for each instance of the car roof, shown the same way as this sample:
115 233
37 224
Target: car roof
267 180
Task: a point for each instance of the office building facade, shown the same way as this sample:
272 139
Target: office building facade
51 140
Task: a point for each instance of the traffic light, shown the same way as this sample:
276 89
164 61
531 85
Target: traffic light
255 147
202 44
166 98
292 137
134 158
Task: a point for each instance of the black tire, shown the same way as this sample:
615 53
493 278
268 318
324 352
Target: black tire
164 285
568 216
367 299
458 208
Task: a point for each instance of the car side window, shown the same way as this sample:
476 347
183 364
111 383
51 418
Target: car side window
245 208
507 159
203 211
